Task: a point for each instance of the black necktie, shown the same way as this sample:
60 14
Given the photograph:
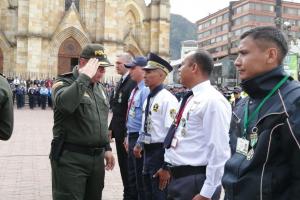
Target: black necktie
172 129
118 86
152 94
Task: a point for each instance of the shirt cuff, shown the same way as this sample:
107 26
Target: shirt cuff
84 79
208 191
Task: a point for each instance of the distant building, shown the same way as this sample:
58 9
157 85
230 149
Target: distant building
219 32
187 46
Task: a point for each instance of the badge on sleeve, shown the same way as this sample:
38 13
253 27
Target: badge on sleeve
155 107
57 84
242 146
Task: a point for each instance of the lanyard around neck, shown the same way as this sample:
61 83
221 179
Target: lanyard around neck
248 119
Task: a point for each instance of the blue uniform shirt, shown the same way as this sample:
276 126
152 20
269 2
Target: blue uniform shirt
135 112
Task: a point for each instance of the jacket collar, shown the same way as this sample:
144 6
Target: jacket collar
260 86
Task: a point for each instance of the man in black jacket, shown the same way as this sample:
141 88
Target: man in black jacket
265 127
117 127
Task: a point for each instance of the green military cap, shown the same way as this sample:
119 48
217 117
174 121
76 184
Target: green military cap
95 51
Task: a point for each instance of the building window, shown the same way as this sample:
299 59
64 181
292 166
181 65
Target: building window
68 3
291 11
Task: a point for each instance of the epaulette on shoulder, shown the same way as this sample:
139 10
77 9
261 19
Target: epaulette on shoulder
66 74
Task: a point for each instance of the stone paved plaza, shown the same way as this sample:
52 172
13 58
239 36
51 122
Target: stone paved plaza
25 172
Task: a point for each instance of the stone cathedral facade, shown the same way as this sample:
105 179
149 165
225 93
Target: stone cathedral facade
43 38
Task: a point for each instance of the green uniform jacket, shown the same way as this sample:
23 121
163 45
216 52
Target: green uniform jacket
80 110
6 110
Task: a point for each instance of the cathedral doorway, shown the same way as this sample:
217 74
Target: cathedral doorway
1 62
68 55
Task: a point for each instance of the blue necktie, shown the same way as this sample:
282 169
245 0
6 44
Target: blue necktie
172 129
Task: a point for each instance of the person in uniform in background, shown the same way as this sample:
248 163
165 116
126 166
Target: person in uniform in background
31 96
237 97
19 96
6 109
134 124
159 113
44 96
197 143
117 127
80 129
265 127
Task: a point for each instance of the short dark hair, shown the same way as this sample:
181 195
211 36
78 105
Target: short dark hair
269 34
204 60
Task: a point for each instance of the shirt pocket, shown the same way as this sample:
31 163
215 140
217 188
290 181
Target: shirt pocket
86 108
194 120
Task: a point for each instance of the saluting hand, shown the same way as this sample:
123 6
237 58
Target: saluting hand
164 178
90 68
110 160
137 151
199 197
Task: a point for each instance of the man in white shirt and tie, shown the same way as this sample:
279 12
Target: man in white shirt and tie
197 145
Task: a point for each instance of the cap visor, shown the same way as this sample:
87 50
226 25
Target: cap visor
130 65
149 67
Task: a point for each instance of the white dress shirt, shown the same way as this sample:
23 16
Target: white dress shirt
163 110
203 139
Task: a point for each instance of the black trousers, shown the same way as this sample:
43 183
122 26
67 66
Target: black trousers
153 161
135 169
123 164
187 187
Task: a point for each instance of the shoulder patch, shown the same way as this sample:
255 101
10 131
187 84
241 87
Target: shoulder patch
55 85
66 74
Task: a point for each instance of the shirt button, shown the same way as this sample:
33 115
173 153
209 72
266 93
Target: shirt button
250 102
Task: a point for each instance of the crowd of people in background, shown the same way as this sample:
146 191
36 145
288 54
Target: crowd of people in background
38 92
35 93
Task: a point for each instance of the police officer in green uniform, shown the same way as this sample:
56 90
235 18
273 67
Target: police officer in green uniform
80 131
6 109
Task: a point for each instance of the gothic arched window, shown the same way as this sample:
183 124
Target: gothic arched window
68 3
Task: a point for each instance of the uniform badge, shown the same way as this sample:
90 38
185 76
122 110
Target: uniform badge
183 132
250 154
173 113
120 98
155 107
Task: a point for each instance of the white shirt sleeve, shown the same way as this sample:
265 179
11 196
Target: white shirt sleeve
216 120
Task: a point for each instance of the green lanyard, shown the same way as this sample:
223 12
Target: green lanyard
248 120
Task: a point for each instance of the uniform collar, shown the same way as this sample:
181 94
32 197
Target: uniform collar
141 84
75 71
125 76
200 87
261 85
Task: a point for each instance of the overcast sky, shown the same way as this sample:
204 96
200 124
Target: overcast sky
194 10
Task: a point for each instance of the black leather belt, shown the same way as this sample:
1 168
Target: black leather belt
133 134
153 146
186 170
83 149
